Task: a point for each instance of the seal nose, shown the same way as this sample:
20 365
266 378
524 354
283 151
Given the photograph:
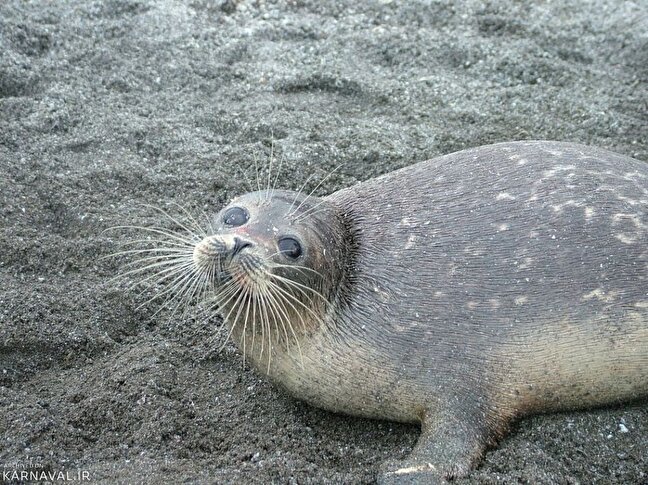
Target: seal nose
239 245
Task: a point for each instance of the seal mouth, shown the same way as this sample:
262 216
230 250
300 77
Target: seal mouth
239 245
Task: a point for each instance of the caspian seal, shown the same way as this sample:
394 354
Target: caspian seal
458 293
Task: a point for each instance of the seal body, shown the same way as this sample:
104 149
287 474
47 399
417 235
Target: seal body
459 293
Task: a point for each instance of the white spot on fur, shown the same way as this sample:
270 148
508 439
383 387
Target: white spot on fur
634 218
474 250
521 300
408 222
589 213
601 295
410 241
504 196
412 469
558 168
472 305
502 227
642 304
438 294
555 153
633 175
527 262
569 203
625 238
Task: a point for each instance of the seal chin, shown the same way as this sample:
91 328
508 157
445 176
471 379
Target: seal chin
249 270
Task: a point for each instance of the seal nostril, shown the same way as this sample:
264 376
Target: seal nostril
239 245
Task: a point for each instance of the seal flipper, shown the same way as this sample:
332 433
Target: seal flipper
450 445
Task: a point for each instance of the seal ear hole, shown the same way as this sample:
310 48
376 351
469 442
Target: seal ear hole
289 247
235 216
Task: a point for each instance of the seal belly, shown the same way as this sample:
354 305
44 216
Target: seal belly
577 363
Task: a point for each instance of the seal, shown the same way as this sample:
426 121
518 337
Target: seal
460 293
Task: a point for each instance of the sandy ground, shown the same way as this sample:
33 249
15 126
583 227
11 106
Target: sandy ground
107 105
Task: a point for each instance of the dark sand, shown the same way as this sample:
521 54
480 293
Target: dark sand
105 105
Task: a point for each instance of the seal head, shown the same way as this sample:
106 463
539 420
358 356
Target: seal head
277 261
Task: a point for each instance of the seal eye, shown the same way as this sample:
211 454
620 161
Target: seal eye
289 246
235 216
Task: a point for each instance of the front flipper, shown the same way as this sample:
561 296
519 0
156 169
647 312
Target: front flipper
450 445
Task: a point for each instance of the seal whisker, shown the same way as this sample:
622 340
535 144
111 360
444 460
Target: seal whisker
309 212
288 285
227 292
208 222
167 270
176 283
170 251
274 184
267 198
286 293
262 315
245 323
193 291
179 297
238 314
149 262
223 297
245 176
176 221
298 193
165 302
256 168
300 286
218 301
254 319
158 230
272 304
162 275
165 263
242 291
164 242
313 191
279 305
286 297
162 258
298 267
268 329
194 221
